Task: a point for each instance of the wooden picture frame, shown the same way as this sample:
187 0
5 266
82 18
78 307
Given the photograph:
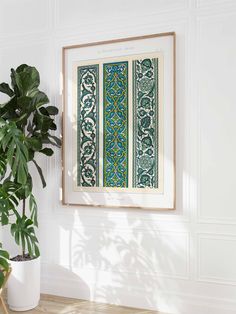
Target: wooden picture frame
118 98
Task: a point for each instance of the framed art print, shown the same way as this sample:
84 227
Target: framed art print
119 123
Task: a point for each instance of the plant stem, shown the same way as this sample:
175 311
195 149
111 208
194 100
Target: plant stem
23 214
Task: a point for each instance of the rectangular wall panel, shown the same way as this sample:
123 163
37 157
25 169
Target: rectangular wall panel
87 126
145 108
216 258
217 99
115 106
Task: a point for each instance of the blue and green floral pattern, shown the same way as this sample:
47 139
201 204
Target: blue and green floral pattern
87 126
115 106
115 124
145 108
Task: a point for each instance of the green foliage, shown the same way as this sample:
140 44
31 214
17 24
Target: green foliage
8 200
26 123
33 209
3 167
4 265
12 145
23 232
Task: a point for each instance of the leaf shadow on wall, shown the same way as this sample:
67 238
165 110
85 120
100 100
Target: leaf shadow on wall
121 258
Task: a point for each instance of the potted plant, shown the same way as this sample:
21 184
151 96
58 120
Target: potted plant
26 123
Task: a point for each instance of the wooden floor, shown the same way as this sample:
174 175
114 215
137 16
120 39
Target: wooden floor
59 305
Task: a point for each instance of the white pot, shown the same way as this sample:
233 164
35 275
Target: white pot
24 285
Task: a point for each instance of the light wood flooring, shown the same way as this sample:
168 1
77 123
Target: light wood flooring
58 305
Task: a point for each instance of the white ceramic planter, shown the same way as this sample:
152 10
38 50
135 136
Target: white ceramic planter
24 285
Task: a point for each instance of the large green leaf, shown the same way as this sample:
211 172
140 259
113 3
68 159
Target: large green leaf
8 200
53 126
2 278
40 173
43 111
8 110
5 88
55 141
4 254
47 151
23 232
13 83
39 99
3 166
52 110
24 103
4 212
42 122
4 265
27 79
12 144
33 209
25 190
3 262
34 143
21 68
12 189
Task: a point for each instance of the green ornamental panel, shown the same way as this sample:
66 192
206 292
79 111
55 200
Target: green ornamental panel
145 123
115 129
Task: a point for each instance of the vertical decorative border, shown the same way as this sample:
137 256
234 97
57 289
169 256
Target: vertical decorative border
64 90
93 70
118 73
152 105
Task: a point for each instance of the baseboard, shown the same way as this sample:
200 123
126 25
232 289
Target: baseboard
162 301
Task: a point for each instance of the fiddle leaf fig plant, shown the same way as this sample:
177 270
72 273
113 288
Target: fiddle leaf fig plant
27 124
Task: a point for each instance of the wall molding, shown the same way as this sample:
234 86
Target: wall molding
215 4
93 219
216 221
210 18
213 236
171 11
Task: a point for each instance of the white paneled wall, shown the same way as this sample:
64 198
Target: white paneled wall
180 262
